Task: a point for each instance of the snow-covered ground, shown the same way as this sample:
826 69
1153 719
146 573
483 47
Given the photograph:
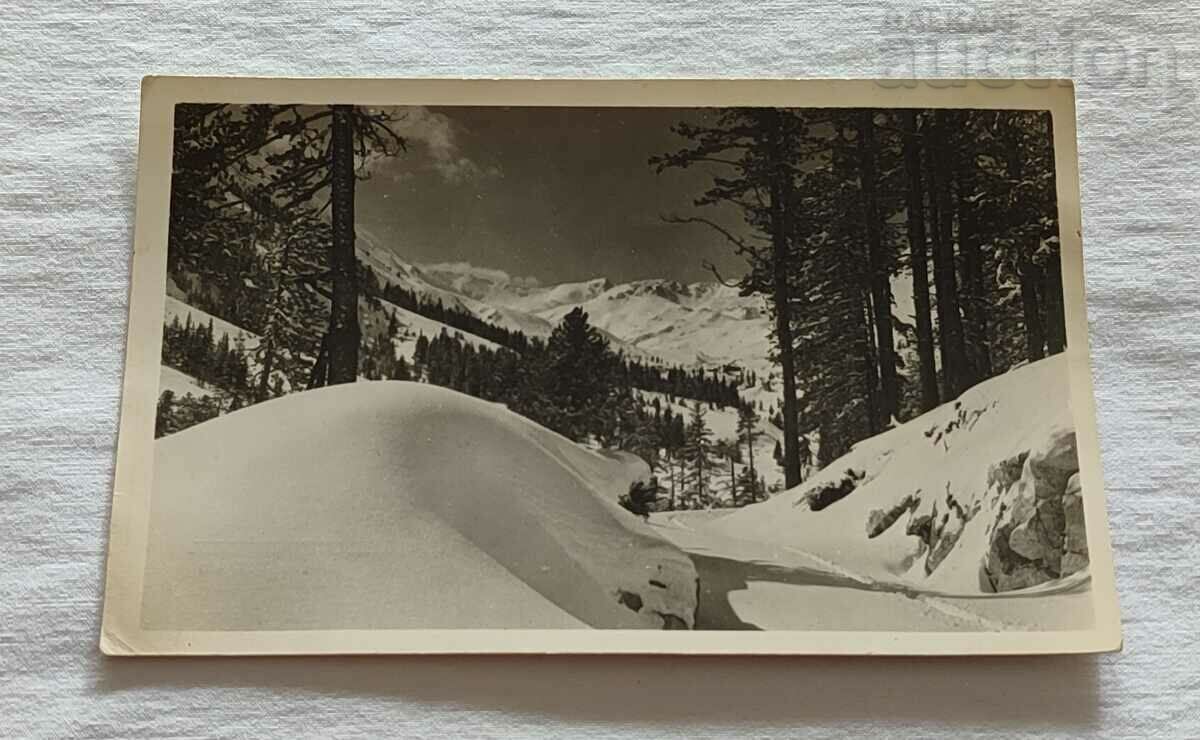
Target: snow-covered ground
976 496
946 481
399 505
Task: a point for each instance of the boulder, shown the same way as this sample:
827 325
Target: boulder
1039 536
1075 549
1053 463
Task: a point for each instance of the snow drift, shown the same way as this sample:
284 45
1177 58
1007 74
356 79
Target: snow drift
399 505
978 495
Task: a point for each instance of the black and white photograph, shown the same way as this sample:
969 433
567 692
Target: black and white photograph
800 368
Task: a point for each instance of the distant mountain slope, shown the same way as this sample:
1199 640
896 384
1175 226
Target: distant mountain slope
703 324
697 324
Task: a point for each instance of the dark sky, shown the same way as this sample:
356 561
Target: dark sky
559 194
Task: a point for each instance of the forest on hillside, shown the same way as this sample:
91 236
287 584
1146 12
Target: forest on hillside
839 208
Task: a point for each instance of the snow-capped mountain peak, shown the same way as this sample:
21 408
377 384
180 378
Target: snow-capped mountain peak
663 320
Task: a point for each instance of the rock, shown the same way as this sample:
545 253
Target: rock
1075 549
1039 535
879 520
1053 464
831 493
672 622
1006 472
629 600
921 527
1022 576
1005 569
947 539
1026 541
1073 562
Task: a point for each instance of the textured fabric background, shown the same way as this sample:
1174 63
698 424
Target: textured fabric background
69 78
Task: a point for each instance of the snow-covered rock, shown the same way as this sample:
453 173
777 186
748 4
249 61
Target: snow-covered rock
1039 534
977 495
399 505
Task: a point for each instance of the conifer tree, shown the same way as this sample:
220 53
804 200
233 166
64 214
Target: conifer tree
762 149
747 427
696 453
578 375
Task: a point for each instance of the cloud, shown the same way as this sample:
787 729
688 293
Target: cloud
439 137
490 274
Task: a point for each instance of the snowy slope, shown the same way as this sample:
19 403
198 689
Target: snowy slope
497 288
698 324
180 383
175 308
391 269
399 505
975 496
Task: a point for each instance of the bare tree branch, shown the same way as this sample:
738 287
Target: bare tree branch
739 244
713 269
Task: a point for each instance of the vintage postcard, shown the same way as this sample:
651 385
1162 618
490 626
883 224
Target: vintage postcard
464 366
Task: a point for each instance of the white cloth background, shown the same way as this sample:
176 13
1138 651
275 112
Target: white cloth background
69 76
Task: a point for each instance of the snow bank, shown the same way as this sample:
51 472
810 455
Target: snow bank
399 505
974 496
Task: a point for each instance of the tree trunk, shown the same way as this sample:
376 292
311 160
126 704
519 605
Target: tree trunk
671 464
879 277
1035 335
869 365
1056 322
1029 274
344 332
264 382
919 261
750 461
974 301
732 483
781 196
319 377
950 331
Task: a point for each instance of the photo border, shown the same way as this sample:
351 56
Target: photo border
121 631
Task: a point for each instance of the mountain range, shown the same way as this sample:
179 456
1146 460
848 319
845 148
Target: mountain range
703 324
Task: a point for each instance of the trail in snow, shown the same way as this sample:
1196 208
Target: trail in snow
755 585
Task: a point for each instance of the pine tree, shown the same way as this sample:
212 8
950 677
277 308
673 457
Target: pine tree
164 421
762 148
728 451
696 453
747 427
579 376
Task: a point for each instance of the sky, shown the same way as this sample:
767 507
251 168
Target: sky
556 194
